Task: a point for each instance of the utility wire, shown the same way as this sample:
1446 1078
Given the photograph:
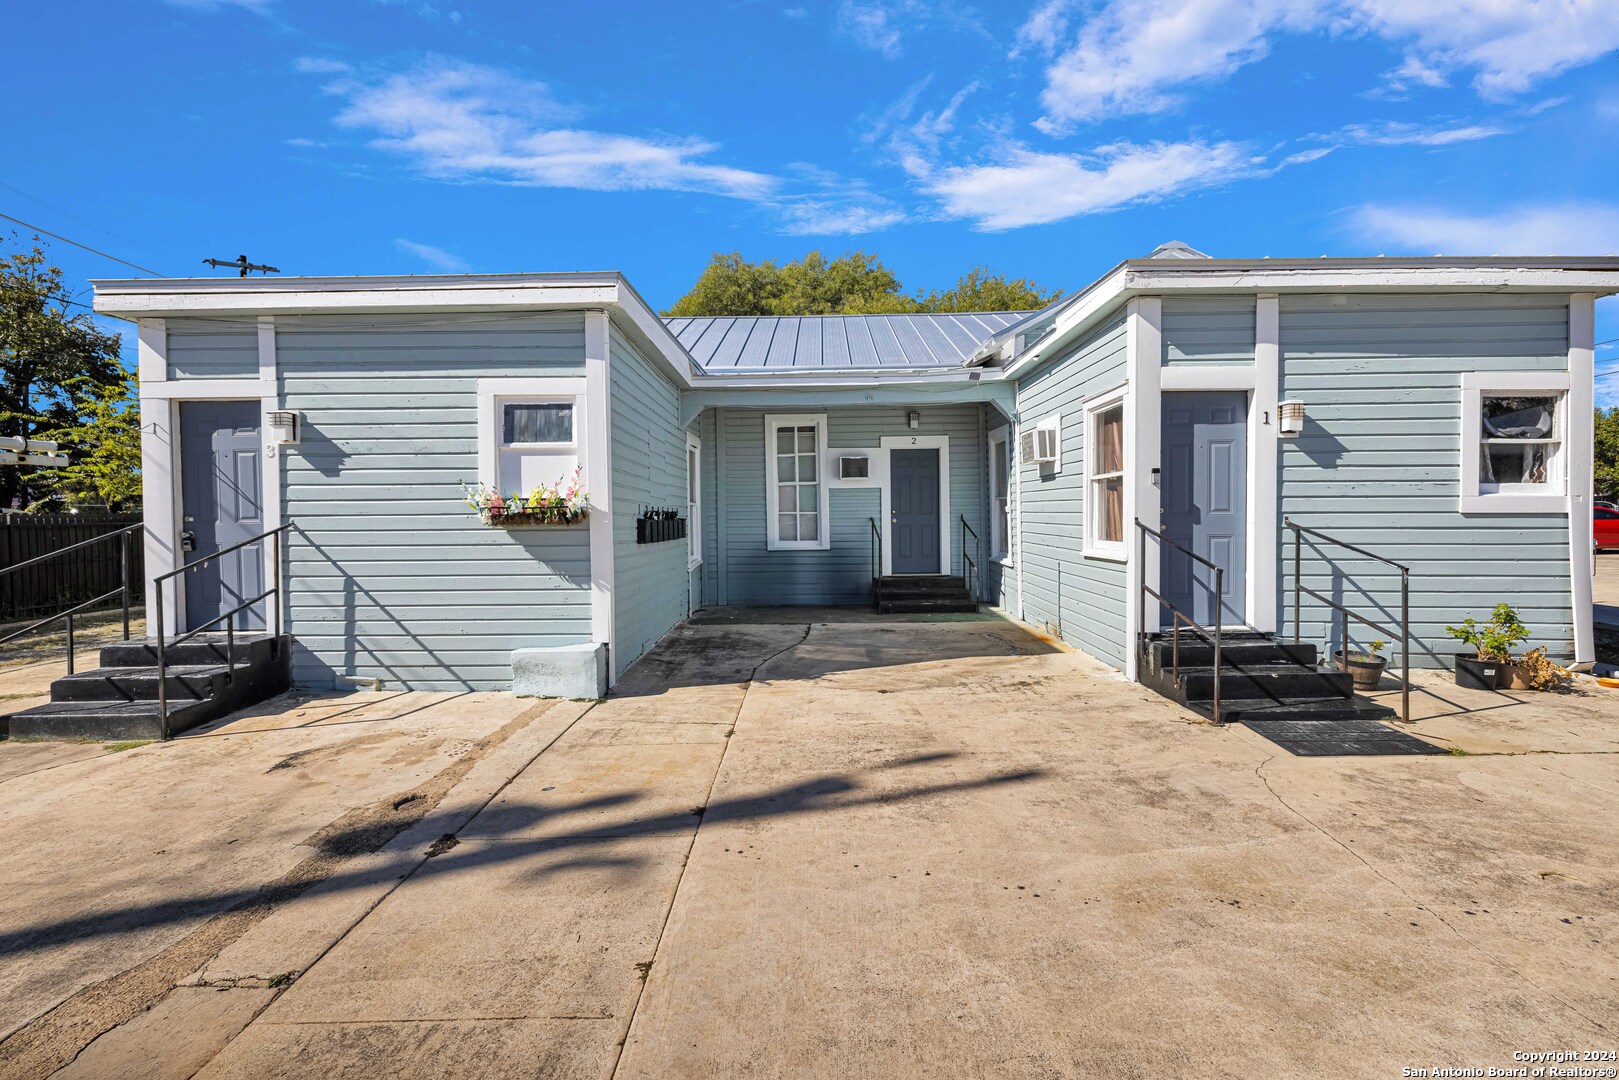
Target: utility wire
86 247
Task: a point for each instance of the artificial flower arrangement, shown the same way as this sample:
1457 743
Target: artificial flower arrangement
564 504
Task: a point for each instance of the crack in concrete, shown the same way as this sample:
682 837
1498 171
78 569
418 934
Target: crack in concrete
685 861
1463 938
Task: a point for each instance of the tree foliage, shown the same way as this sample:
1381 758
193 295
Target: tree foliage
1605 451
103 445
60 378
855 283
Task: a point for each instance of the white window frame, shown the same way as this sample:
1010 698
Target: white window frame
774 422
1094 548
999 545
694 502
1476 386
494 394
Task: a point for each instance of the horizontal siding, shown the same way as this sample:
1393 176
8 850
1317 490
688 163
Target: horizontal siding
391 575
746 573
212 349
649 469
1216 329
1379 466
1081 599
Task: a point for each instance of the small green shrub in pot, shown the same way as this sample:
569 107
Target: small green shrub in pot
1493 642
1364 665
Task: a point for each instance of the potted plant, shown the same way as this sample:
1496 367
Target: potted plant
565 504
1365 668
1492 642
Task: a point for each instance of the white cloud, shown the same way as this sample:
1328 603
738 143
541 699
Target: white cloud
869 26
1394 133
1030 188
1551 229
465 122
304 143
1135 56
320 65
812 216
881 25
436 257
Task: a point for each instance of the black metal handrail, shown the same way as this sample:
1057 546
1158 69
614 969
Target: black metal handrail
876 561
123 536
229 617
1177 615
971 566
1345 614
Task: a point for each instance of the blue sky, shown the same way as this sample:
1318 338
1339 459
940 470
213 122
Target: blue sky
1044 139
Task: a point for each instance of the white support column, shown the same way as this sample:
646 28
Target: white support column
1264 522
599 481
269 401
1581 375
160 477
1144 363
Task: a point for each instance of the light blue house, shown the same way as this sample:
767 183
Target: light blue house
1436 412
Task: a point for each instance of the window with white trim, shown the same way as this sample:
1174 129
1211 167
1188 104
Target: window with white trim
1513 453
1000 503
794 449
530 432
1104 476
694 502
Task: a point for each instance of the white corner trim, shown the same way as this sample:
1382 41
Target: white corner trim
1017 516
1143 446
1578 435
1264 481
598 477
1475 384
941 443
160 499
823 532
1209 376
490 391
152 351
269 401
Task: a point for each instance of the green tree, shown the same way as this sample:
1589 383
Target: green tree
1605 451
53 364
855 283
103 445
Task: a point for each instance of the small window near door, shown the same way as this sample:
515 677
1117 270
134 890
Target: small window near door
1104 478
796 517
1513 457
694 502
1000 506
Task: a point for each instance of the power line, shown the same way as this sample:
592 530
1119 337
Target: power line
86 247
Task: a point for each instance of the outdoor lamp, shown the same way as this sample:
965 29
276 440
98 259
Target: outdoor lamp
284 427
1292 417
914 419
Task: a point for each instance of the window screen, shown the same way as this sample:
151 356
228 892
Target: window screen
538 422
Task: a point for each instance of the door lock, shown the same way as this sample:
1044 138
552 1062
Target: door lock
188 541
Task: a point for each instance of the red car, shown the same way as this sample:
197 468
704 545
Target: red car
1604 528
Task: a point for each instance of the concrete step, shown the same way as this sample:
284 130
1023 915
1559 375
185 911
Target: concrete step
206 649
922 606
1196 653
1270 681
186 682
102 720
1338 710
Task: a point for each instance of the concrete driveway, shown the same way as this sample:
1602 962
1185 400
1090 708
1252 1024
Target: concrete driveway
871 849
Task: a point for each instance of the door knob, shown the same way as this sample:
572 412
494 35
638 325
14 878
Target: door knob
188 541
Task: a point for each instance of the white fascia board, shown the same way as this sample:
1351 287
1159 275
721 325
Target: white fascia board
353 301
771 380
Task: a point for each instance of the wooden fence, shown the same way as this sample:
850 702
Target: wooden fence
51 586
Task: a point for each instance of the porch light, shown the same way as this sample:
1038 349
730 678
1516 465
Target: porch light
1292 417
914 419
284 427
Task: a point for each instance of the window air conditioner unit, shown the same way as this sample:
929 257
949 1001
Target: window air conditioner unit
854 467
1038 446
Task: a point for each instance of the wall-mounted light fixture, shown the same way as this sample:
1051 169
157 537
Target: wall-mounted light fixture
1291 414
284 427
914 419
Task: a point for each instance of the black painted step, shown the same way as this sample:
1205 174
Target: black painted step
925 605
1195 653
1270 681
1321 709
103 720
187 682
200 650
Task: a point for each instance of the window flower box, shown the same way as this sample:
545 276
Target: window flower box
566 503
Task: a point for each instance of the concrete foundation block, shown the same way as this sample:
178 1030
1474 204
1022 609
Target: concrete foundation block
568 671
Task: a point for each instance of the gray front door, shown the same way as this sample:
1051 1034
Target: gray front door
913 477
221 482
1204 493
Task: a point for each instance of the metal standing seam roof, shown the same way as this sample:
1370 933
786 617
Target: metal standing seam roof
815 343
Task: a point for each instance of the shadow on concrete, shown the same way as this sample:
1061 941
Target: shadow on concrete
504 844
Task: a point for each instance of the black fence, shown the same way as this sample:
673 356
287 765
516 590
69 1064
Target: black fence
50 586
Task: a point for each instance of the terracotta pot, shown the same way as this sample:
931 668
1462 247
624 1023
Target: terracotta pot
1365 671
1476 674
1512 677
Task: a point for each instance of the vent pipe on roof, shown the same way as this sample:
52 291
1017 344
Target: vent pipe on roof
1177 250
